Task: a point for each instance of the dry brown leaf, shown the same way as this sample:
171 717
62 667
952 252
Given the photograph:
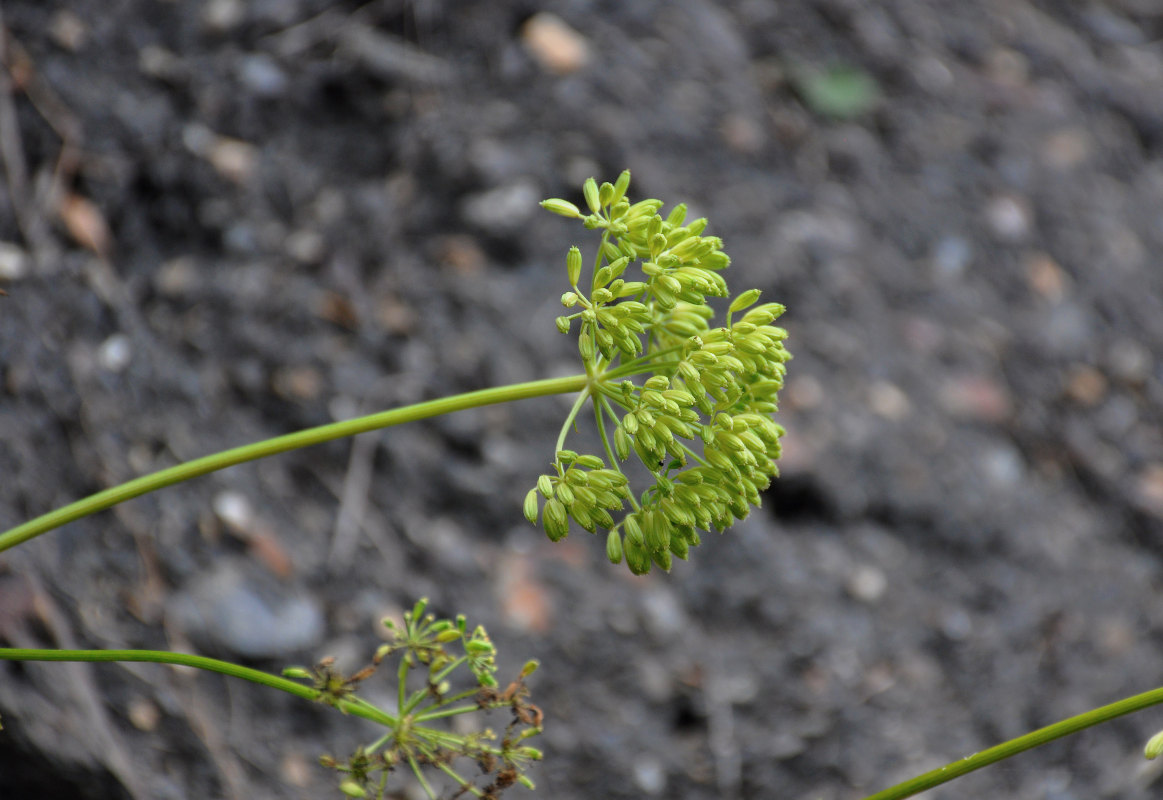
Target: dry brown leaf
85 223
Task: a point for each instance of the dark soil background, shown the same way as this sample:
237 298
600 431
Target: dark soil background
226 220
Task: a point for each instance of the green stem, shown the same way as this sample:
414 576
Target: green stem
198 662
1002 751
281 444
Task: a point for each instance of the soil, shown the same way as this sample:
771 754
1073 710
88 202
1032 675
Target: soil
227 220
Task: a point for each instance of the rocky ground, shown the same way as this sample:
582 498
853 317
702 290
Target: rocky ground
226 220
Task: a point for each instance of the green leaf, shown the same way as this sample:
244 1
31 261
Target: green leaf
839 92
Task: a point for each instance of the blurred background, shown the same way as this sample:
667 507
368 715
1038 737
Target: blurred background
231 219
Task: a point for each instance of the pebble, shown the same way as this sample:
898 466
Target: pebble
649 775
262 75
247 612
1149 489
556 46
1129 361
13 262
956 624
234 510
115 353
888 401
1002 466
505 208
663 612
975 397
1066 149
1008 217
951 256
867 584
1045 277
1085 385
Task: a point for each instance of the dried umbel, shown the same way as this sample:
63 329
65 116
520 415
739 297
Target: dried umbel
691 400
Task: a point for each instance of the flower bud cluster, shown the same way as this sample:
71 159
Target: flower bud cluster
418 734
701 421
582 490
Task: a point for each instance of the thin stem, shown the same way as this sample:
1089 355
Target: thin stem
281 444
198 662
444 711
569 420
1003 751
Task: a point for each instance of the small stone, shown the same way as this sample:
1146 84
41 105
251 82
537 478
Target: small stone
1149 489
245 611
503 209
1002 466
1045 277
888 401
956 624
68 30
1066 149
176 277
233 159
742 134
262 76
975 397
663 612
1085 385
649 775
305 246
1009 217
301 383
13 262
867 584
556 46
235 510
143 714
1129 361
804 392
223 15
951 256
115 353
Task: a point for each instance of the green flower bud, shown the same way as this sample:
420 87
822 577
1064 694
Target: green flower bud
352 789
1154 746
562 324
565 494
637 559
585 345
621 185
745 300
573 265
556 520
663 560
297 672
590 462
605 194
621 443
530 667
545 486
531 506
614 547
562 208
592 195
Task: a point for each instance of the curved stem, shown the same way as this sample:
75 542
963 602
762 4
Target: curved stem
1031 740
199 662
281 444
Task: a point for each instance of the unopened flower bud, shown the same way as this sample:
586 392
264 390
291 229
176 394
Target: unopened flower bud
592 195
573 265
614 547
562 208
